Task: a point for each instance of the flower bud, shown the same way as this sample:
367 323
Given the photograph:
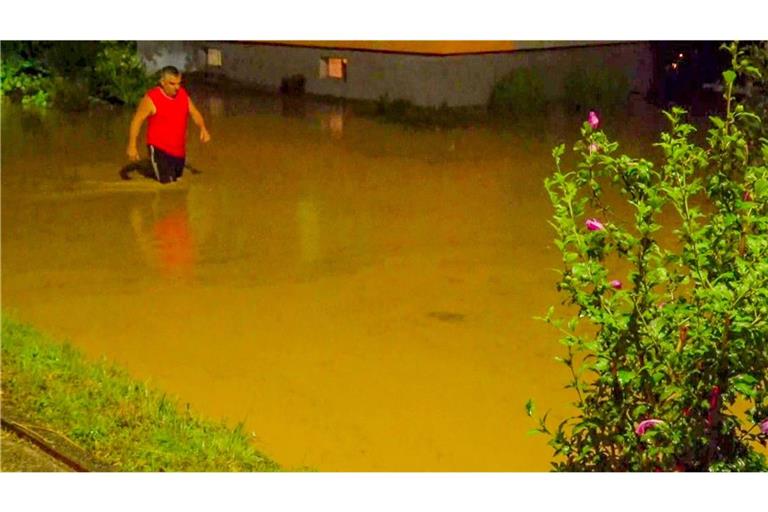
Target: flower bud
594 225
593 120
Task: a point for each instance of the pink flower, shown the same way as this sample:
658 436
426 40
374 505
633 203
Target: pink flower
594 225
764 426
593 148
747 196
593 120
645 425
616 284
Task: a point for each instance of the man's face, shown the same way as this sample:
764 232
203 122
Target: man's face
170 84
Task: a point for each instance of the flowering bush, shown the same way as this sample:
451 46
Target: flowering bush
669 366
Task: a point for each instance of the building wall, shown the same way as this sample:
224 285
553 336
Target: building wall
430 80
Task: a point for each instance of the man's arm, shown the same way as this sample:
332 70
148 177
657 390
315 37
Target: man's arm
197 117
145 109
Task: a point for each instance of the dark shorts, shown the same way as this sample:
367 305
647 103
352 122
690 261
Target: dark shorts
167 168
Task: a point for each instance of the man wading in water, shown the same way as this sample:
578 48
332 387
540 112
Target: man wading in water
166 107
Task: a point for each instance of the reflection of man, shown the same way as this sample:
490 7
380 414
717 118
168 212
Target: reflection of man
166 242
166 107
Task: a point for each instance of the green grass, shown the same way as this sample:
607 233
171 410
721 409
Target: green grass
118 421
406 113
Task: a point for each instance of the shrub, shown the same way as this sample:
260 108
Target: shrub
405 112
757 85
71 95
519 92
24 78
72 72
119 75
71 59
669 362
293 85
601 88
40 98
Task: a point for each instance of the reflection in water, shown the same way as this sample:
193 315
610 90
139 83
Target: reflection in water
362 302
165 238
175 244
215 106
309 230
33 123
332 121
293 106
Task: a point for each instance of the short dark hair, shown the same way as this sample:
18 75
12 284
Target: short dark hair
169 70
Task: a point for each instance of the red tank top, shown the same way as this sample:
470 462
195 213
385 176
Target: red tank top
167 127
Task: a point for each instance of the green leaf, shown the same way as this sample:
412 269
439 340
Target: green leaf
749 115
729 76
625 376
745 384
745 389
601 365
530 407
746 378
760 186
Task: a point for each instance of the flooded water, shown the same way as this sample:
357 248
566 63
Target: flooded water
360 295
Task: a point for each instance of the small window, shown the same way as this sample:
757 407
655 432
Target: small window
333 67
213 56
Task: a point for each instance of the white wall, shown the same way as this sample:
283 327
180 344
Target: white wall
424 80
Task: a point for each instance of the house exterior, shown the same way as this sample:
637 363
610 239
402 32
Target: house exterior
427 73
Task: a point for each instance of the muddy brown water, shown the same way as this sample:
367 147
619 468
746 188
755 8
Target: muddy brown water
360 295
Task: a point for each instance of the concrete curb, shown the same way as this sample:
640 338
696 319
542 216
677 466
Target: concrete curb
52 443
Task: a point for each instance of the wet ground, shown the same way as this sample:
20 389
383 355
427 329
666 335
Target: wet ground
360 295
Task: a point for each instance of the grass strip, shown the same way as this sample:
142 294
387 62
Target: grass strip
122 423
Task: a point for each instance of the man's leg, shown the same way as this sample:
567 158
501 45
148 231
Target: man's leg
143 167
178 167
162 166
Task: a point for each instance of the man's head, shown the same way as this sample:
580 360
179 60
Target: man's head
170 80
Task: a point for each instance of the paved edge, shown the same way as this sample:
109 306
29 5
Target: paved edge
55 445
